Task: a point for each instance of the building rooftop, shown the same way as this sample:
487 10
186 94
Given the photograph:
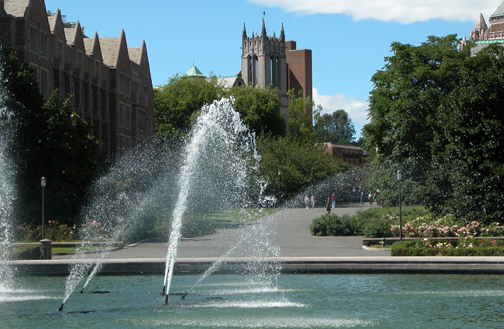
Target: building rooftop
194 72
499 11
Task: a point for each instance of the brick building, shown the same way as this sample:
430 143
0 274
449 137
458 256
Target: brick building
349 153
111 83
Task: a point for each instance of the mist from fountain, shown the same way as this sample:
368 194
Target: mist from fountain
118 201
7 191
220 164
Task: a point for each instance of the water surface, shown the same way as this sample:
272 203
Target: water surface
286 301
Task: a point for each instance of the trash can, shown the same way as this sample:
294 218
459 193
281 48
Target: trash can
46 249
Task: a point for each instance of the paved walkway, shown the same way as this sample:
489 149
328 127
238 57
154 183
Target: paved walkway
289 230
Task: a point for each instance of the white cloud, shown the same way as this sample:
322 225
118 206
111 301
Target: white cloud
356 109
401 11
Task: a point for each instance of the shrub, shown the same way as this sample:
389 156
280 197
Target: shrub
334 225
377 228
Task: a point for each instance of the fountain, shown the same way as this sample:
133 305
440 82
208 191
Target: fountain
7 192
219 146
218 171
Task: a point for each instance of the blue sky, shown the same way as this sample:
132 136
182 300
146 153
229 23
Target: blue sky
349 39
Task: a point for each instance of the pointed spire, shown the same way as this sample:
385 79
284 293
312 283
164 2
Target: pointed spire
263 31
282 34
481 25
244 31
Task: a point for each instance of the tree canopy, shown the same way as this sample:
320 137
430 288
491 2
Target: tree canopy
336 128
178 103
443 108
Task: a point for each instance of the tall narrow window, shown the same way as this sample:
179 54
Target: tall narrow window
43 83
128 117
33 40
60 51
256 64
43 44
277 72
121 114
250 65
97 69
142 120
79 59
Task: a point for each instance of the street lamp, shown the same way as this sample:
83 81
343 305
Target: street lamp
43 184
400 208
279 184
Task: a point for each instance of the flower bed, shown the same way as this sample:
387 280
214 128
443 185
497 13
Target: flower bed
474 229
463 247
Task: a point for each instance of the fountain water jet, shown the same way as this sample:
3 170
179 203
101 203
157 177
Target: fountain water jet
7 191
219 142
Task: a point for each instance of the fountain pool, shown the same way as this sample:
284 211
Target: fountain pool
295 301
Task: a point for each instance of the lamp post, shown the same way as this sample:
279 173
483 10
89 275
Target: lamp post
43 184
400 208
279 184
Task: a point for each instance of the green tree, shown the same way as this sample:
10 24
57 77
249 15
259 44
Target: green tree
406 95
177 103
468 154
299 164
439 110
336 127
300 117
48 141
259 109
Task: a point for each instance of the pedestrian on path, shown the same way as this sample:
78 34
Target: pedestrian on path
333 200
306 201
328 205
312 199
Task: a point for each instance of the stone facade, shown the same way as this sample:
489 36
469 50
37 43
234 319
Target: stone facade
272 61
111 83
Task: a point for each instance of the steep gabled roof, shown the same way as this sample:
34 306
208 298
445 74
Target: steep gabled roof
135 54
111 49
71 33
16 8
499 11
93 46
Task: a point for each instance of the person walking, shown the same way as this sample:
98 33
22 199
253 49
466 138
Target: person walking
312 199
370 197
328 205
333 200
306 201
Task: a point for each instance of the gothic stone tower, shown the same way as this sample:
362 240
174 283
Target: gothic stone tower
264 63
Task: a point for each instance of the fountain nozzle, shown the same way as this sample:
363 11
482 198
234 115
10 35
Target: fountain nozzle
61 307
82 291
164 291
183 296
166 300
